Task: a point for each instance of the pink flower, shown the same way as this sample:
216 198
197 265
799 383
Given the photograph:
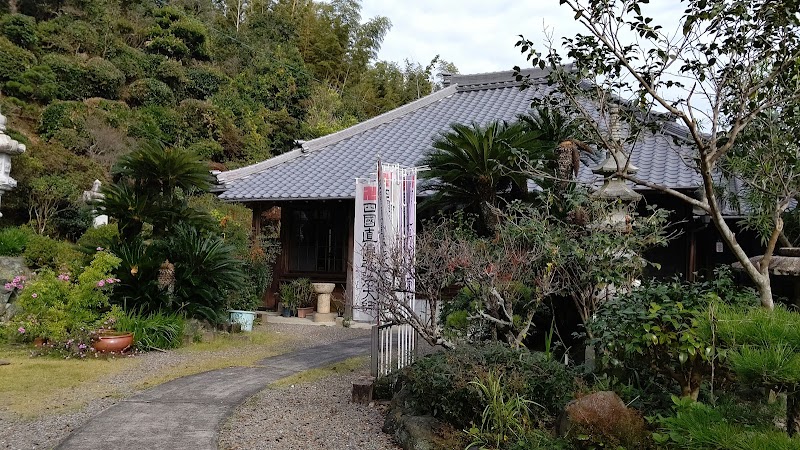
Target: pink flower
8 286
63 277
101 283
99 249
21 330
34 295
109 280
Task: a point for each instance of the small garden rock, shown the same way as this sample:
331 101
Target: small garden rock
602 418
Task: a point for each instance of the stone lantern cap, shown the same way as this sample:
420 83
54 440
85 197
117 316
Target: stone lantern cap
613 187
609 166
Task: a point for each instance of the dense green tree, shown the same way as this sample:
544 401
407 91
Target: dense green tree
237 81
20 29
741 59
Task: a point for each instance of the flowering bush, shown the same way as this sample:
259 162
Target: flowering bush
17 283
56 307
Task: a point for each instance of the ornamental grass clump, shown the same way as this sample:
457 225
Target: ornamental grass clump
153 331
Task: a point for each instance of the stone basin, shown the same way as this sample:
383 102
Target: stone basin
323 288
324 296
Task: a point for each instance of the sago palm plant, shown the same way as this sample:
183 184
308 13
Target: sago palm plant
476 166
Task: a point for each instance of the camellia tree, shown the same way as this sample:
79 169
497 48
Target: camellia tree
742 58
538 252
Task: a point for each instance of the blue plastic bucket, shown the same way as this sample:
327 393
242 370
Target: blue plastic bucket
243 318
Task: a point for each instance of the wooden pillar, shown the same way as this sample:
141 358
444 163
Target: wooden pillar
692 266
257 209
348 285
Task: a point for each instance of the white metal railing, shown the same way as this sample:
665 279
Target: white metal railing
393 347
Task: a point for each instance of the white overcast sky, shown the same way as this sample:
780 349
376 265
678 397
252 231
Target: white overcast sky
479 35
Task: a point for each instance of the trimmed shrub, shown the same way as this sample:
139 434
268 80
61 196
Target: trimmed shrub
104 79
697 426
194 35
60 115
70 76
156 122
41 252
132 62
13 240
205 81
602 420
39 83
13 60
69 36
200 120
172 74
20 29
208 150
100 237
440 384
166 15
149 92
169 46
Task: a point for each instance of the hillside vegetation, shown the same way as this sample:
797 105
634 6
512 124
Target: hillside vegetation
84 82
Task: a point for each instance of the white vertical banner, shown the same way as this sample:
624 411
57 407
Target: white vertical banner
385 222
365 236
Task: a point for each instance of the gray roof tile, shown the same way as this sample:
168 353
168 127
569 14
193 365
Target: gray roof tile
327 167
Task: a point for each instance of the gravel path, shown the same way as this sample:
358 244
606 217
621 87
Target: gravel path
49 430
309 416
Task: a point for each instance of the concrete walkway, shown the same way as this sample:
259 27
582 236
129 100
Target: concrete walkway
186 413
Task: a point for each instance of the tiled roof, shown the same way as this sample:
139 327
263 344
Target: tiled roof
326 168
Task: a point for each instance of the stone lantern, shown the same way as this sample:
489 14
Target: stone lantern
614 187
8 147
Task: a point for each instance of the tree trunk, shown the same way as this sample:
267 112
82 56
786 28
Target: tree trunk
690 384
490 218
765 293
793 413
690 391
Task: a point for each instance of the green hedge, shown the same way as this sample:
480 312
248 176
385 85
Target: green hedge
439 384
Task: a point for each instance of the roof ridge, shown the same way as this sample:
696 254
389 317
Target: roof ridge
505 78
388 116
235 174
324 141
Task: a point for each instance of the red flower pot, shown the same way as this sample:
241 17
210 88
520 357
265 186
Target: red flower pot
112 341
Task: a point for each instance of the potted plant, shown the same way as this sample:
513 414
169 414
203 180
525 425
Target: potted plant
297 297
288 299
305 297
241 307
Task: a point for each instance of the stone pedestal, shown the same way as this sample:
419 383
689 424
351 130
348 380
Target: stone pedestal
324 296
325 317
